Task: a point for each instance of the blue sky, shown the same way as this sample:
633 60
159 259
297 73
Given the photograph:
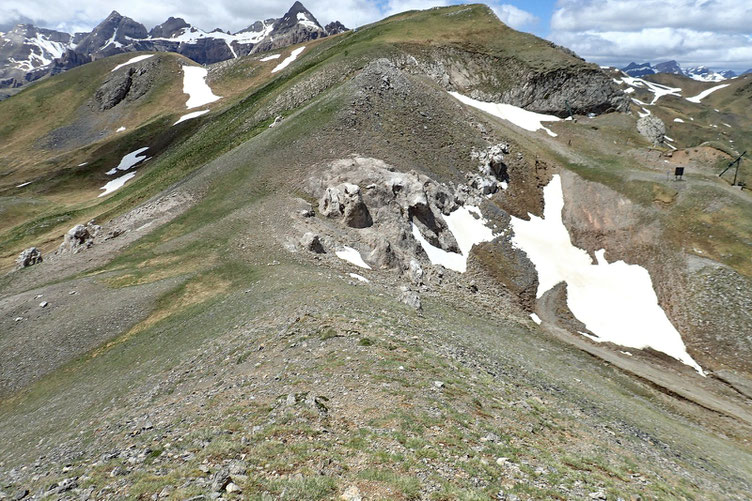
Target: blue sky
715 33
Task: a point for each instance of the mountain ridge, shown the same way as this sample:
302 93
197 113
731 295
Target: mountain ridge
699 73
28 53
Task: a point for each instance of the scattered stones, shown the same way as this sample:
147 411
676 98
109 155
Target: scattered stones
29 257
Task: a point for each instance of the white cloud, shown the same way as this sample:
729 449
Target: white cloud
514 17
710 32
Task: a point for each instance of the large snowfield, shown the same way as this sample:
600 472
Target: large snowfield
615 301
194 84
520 117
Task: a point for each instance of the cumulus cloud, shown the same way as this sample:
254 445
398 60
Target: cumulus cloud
83 15
715 33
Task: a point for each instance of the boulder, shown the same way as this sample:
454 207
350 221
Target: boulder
29 257
652 128
312 242
79 237
411 298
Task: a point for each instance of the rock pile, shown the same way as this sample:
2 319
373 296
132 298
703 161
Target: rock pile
79 237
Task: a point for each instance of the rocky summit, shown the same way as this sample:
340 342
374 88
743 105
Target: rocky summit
430 258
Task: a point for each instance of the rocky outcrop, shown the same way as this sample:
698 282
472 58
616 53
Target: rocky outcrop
79 237
334 28
127 84
29 257
652 128
346 201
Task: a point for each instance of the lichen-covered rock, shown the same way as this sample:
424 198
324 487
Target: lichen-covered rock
652 128
29 257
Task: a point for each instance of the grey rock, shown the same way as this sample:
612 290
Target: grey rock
652 128
346 201
29 257
412 299
312 242
220 480
79 237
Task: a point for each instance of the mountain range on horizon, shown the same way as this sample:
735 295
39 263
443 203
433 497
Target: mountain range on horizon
699 73
28 53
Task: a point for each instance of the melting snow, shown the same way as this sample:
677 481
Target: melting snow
116 183
120 129
702 95
24 184
678 120
129 161
269 58
131 61
359 277
190 115
615 301
194 84
536 318
467 230
289 59
351 255
657 89
527 120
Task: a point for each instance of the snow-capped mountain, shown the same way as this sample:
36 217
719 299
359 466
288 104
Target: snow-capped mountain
27 53
701 73
638 70
26 48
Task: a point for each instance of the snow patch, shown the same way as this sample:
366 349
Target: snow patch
24 184
120 129
352 256
615 301
303 19
658 90
702 95
131 61
289 59
194 84
116 183
536 318
520 117
467 230
678 120
129 161
190 115
359 277
269 58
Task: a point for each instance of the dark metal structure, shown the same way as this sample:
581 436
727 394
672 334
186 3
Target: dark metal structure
736 162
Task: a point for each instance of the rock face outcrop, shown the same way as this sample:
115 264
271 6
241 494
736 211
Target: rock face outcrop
29 257
346 201
126 84
652 128
79 237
